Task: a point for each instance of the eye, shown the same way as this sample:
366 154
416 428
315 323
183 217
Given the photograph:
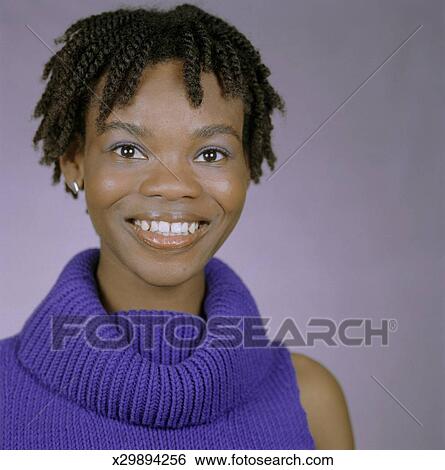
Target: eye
210 155
129 151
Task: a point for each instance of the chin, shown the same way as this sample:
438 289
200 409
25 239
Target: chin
169 273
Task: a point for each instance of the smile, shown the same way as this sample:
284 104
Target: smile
169 236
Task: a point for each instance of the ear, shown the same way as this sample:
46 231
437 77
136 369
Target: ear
72 162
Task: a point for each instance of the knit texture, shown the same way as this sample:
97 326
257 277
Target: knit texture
147 379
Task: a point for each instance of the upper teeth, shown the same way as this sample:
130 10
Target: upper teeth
167 228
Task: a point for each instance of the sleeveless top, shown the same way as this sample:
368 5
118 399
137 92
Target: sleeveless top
77 377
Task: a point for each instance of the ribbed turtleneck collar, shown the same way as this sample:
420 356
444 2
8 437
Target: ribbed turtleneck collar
149 383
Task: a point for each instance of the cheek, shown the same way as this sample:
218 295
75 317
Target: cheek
230 194
104 185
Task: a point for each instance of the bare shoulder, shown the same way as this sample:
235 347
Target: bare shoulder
323 400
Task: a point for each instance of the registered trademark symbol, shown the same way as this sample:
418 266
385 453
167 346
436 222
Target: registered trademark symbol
393 325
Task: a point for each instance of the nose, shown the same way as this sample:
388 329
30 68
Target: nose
170 181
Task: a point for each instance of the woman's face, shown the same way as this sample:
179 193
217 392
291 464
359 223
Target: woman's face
152 163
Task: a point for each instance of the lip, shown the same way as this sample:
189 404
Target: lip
170 243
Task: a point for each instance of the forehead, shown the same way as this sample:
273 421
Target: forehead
161 100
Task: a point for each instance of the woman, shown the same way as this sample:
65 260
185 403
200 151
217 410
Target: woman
162 118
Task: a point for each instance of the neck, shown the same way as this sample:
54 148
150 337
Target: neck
121 289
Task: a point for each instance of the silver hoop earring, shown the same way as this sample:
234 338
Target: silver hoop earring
74 187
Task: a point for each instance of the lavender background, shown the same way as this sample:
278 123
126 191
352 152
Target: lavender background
352 226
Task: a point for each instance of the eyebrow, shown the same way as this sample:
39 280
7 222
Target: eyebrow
142 131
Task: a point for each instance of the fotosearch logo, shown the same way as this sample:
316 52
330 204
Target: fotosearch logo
111 332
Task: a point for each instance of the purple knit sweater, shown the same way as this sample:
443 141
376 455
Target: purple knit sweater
67 383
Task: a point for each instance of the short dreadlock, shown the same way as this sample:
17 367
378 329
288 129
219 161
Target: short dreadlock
122 43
